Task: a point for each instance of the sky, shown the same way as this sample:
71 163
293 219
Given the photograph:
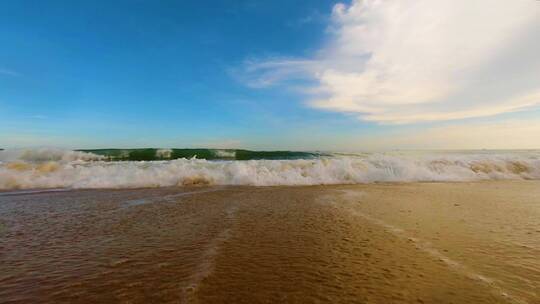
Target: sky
268 75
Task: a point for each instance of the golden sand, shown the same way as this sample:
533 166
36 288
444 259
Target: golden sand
377 243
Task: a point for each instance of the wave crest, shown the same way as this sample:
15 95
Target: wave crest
46 154
46 169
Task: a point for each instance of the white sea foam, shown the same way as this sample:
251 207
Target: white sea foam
46 154
225 153
50 168
164 153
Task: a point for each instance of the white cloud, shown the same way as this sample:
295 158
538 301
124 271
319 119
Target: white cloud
261 74
421 60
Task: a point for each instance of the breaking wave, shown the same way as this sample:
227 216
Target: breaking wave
209 154
53 168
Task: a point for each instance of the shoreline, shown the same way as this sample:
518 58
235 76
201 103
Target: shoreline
198 186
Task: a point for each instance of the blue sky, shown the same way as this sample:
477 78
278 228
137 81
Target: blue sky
263 75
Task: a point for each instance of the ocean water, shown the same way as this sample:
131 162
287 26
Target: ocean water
136 168
71 233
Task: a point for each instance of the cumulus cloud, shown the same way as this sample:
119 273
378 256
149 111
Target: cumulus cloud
420 60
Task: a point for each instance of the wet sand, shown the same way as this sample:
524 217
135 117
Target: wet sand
376 243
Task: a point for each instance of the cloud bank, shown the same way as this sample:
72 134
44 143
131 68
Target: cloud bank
506 134
420 60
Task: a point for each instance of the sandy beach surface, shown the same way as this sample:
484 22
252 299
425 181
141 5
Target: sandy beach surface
372 243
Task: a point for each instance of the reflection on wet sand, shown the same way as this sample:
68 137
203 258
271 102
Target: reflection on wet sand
380 243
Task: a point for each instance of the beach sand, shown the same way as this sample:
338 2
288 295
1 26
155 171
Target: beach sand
372 243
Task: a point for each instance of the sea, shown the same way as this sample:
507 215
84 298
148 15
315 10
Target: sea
46 168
